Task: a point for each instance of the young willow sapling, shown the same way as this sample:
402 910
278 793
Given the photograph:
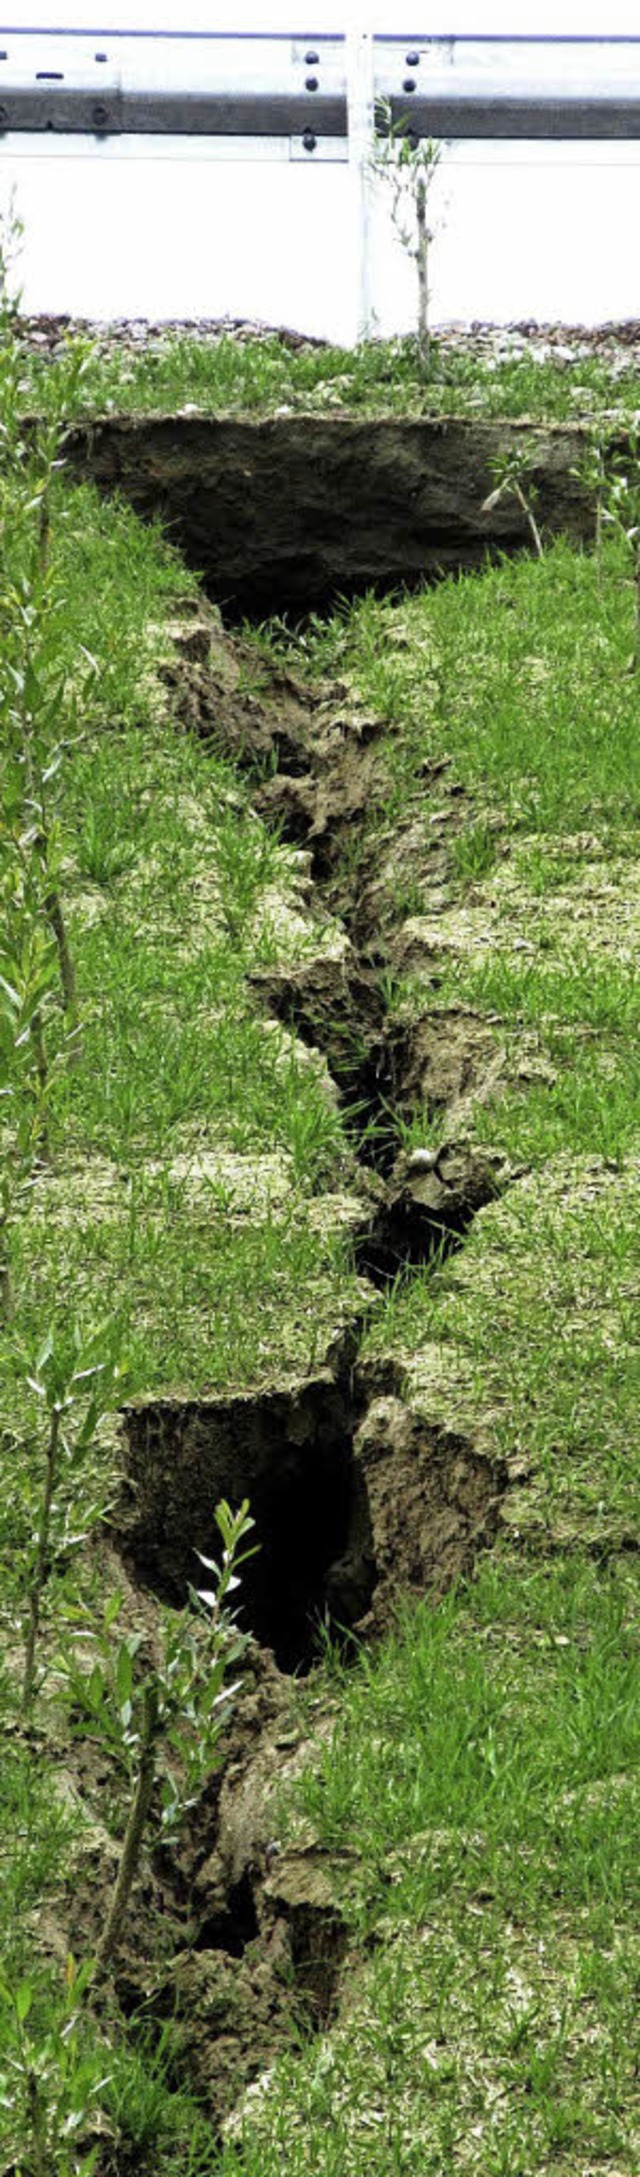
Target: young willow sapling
621 512
160 1709
613 479
39 711
53 2075
407 165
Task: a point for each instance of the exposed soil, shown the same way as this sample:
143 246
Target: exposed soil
288 1449
289 513
254 1937
233 1938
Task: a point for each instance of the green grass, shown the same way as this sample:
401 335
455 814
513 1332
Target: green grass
479 1789
34 1834
474 1720
592 1107
479 1784
484 1765
254 377
537 1320
185 1204
519 674
184 1108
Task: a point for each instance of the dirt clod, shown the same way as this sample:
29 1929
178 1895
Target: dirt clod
428 1206
432 1502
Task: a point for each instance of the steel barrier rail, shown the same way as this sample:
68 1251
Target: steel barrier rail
217 84
316 97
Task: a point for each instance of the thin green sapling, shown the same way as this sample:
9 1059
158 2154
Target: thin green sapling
591 471
38 710
614 480
73 1388
407 166
160 1709
24 1137
621 511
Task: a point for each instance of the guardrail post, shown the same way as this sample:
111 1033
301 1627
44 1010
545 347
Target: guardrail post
361 125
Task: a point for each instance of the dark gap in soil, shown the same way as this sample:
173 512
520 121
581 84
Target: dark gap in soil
318 1948
428 1207
298 590
234 1926
402 1239
290 1452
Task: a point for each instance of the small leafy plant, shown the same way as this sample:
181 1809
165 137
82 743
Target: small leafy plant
39 709
591 471
52 2081
621 511
614 481
512 480
26 988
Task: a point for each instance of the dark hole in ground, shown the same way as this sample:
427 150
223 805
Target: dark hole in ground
299 590
235 1926
403 1239
318 1947
290 1452
302 1516
299 587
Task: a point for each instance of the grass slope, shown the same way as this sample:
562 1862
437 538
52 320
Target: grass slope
484 1765
480 1786
185 1210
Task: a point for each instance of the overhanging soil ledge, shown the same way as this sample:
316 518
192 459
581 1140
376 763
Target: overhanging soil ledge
288 513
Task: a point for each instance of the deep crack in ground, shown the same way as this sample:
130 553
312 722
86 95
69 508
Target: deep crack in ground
356 1499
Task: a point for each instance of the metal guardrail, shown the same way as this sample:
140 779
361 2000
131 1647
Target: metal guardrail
249 85
316 98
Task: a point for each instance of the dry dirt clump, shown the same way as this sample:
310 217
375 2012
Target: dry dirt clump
320 741
424 1503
